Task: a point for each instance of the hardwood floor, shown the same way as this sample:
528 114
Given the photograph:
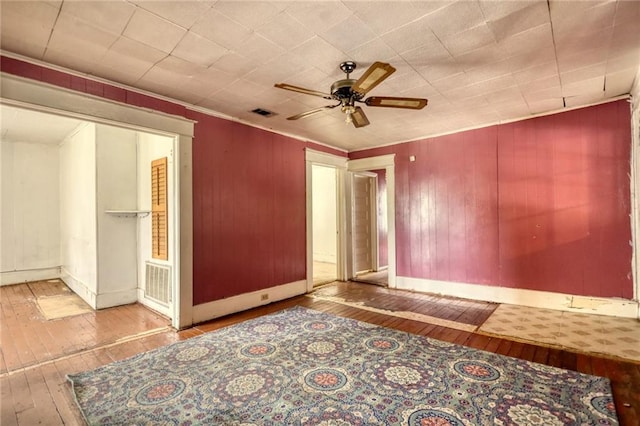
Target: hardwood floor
378 278
36 354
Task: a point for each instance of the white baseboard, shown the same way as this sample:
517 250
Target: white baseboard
116 298
98 301
79 288
242 302
28 275
151 304
323 257
533 298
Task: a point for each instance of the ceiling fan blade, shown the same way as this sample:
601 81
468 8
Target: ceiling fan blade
359 118
302 90
313 111
394 102
372 77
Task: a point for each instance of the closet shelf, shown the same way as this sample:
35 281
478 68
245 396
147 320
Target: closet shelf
128 213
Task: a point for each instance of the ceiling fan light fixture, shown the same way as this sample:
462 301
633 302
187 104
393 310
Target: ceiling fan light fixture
348 110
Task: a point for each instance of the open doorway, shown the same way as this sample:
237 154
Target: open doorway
324 220
381 203
42 97
76 200
370 227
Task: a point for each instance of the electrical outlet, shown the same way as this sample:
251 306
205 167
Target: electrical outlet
264 296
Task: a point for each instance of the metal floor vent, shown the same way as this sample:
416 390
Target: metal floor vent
157 284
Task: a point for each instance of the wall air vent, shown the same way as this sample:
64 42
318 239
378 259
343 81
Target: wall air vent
263 112
157 285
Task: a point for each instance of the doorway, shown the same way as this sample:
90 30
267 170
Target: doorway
370 227
326 218
325 226
36 96
90 199
380 203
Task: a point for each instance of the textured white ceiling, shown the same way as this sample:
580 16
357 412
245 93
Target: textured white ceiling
478 62
23 125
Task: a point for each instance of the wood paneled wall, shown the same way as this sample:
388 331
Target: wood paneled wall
540 204
248 193
248 209
90 87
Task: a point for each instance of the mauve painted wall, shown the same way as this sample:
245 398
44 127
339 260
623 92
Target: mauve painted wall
540 204
248 193
467 210
80 84
248 209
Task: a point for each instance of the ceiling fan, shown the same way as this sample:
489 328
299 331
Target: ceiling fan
349 91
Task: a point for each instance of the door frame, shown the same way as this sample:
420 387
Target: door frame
42 97
373 216
313 157
635 196
386 162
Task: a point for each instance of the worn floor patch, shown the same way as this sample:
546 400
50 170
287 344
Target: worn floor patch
55 307
587 333
401 314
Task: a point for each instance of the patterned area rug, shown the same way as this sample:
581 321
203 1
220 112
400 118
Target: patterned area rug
300 366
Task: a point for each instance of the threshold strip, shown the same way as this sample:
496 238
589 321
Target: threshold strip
119 341
401 314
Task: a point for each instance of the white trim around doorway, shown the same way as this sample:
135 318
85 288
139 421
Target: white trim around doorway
43 97
313 157
386 162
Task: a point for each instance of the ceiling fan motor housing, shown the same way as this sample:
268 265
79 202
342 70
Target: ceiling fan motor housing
341 91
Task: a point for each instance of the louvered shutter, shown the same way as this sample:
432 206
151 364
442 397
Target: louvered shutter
159 227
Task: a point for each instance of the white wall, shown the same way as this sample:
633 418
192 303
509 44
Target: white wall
37 94
324 214
78 226
151 147
53 204
116 234
30 212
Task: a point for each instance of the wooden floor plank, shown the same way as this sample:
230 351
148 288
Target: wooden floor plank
44 408
516 350
478 341
528 352
542 355
7 411
78 343
503 347
58 387
568 360
20 393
